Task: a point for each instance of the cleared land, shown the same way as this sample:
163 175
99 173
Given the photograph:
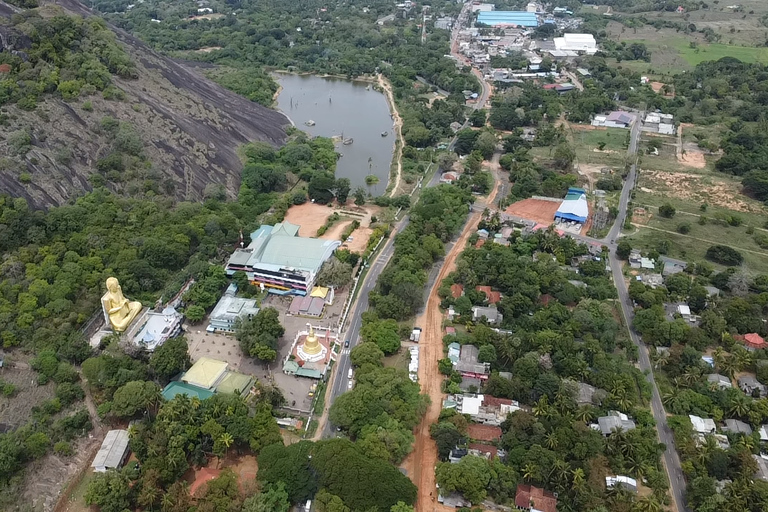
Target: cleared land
311 216
538 210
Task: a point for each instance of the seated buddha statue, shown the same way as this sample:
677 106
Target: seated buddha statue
120 310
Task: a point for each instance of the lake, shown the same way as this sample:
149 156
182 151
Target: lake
343 107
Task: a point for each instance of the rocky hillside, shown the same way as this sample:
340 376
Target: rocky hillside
183 130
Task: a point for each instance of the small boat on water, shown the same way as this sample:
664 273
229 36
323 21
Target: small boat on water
309 123
348 141
384 134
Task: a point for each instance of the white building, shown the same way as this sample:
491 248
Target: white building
582 43
702 425
113 451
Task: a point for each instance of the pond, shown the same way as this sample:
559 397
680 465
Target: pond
331 107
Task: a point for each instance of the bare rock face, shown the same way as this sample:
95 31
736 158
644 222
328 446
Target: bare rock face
190 127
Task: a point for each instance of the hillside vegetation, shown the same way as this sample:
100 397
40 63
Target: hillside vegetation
83 106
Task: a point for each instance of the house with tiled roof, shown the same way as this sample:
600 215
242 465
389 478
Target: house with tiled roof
492 296
457 290
752 341
532 498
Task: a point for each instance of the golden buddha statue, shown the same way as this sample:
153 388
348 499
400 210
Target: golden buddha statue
117 308
311 345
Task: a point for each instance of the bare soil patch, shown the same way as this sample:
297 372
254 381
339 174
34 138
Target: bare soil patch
698 188
641 216
592 173
586 127
689 154
208 49
537 210
16 410
310 216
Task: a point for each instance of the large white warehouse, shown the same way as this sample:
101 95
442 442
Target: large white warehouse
577 43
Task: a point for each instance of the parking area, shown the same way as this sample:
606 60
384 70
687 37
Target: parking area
225 347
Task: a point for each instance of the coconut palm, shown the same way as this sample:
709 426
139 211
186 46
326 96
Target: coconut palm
585 414
530 472
578 478
738 405
647 504
542 407
551 441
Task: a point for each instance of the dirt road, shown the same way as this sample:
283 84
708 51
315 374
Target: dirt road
398 129
421 463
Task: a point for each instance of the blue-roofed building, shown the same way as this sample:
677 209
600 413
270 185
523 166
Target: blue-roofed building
508 18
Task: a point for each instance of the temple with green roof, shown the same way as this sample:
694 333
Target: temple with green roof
280 260
206 377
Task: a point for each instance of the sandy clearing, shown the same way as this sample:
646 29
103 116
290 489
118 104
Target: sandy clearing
695 187
208 17
689 154
208 49
310 216
538 210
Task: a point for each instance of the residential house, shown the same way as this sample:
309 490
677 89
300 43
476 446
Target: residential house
763 433
470 384
457 290
720 439
672 266
492 296
532 499
457 454
653 280
647 263
451 331
762 467
454 500
468 365
613 422
752 341
584 394
703 425
491 314
721 381
486 409
635 258
712 291
454 352
483 233
449 177
620 481
750 385
737 427
684 310
617 119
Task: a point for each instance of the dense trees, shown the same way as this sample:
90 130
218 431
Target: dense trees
434 219
170 358
258 336
68 55
341 469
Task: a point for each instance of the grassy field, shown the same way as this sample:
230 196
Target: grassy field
687 189
717 51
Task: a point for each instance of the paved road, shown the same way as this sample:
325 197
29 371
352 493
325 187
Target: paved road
340 382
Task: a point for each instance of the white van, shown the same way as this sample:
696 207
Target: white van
349 373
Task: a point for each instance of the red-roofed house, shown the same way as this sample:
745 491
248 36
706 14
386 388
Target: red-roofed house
483 432
457 290
492 296
752 341
479 243
483 450
549 87
529 497
546 299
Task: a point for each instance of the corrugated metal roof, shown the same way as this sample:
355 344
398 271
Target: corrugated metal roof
182 388
112 450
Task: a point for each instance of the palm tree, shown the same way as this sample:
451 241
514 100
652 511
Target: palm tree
542 407
647 504
719 357
551 441
530 472
738 405
585 414
578 478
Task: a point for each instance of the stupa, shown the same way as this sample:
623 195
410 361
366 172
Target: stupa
311 350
